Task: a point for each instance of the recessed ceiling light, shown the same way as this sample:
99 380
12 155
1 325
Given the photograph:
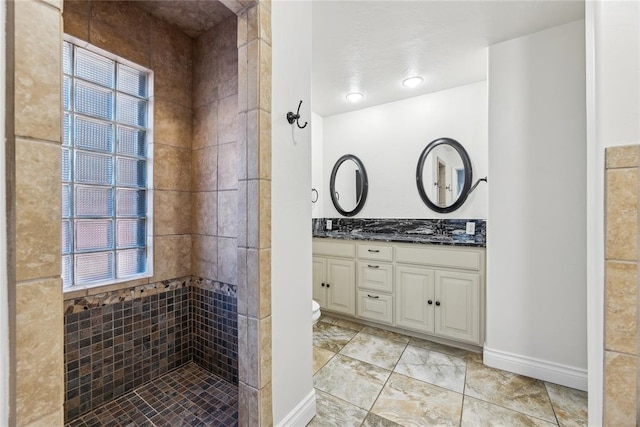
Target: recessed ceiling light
354 96
412 82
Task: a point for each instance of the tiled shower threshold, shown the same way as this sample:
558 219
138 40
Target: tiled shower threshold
186 396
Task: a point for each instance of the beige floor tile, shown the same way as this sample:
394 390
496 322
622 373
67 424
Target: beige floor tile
331 411
376 350
343 323
356 382
374 420
570 405
386 334
331 337
479 413
441 348
320 358
435 368
410 402
512 391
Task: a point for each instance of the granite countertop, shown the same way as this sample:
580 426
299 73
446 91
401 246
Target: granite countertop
422 231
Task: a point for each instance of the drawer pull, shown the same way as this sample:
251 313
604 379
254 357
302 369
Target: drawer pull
373 296
374 250
373 266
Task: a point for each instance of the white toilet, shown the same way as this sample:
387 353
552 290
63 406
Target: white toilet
315 312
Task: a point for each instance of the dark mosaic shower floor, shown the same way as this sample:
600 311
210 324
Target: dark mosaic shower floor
187 396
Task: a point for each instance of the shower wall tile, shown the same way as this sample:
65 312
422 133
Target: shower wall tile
264 282
228 118
172 257
264 153
227 259
242 77
39 350
227 213
173 124
126 18
264 97
621 299
75 24
111 39
620 393
242 281
168 45
205 169
37 209
204 213
265 213
171 168
621 212
265 350
205 256
172 81
242 146
623 157
265 21
242 214
37 74
228 166
172 212
205 126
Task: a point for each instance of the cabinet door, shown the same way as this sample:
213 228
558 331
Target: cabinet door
341 286
414 290
457 315
319 281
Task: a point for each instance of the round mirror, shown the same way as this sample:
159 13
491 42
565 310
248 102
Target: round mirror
348 185
444 175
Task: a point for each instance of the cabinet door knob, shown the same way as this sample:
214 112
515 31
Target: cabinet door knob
323 285
438 303
429 302
327 285
374 250
373 266
373 296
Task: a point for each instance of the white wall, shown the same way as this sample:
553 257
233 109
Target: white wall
293 397
536 264
4 302
613 108
316 164
389 139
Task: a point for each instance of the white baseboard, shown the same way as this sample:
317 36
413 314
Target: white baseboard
302 413
541 369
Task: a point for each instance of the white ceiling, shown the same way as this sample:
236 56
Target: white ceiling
371 46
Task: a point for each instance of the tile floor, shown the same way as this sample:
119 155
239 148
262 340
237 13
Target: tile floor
370 377
187 396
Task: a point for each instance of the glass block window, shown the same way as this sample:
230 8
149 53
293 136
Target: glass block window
105 168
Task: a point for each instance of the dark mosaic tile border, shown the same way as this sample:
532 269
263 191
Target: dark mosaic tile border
118 340
430 231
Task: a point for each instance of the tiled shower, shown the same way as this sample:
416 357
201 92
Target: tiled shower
123 336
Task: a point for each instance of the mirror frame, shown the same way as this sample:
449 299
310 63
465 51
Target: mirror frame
365 185
468 176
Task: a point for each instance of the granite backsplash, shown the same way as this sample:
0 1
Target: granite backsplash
428 231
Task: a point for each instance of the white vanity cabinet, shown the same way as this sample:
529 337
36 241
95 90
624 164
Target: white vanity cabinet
434 290
334 276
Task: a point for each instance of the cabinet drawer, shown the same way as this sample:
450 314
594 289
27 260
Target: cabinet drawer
375 252
339 249
375 276
376 307
442 257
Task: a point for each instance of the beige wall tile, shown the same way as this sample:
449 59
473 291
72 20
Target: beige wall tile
75 23
621 307
242 214
253 72
205 126
171 168
82 7
228 73
172 82
253 148
242 281
623 157
242 29
265 351
131 22
227 260
265 213
227 213
205 256
253 283
265 22
38 209
264 282
38 108
243 351
253 214
172 212
621 214
110 39
39 350
205 213
228 119
266 406
264 135
620 395
53 419
172 257
172 123
242 146
252 357
243 78
265 77
205 169
228 166
253 23
169 45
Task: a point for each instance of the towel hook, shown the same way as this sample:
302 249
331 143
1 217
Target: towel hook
291 118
